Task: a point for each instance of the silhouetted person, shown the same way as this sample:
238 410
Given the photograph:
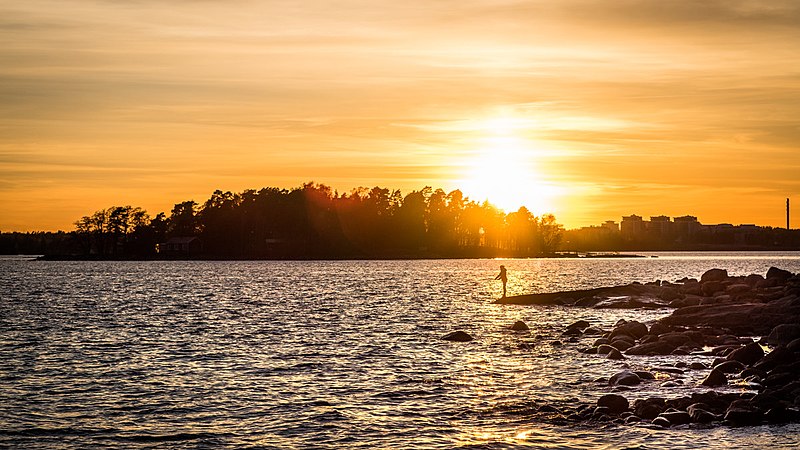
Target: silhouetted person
504 277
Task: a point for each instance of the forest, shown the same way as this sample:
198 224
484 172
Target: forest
308 222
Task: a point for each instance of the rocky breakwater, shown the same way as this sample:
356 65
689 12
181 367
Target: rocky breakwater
747 326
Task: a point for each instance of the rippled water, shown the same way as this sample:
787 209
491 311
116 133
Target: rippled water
342 354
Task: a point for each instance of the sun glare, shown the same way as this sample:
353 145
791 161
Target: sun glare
504 169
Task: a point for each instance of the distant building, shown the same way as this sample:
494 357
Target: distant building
180 247
660 225
632 227
610 225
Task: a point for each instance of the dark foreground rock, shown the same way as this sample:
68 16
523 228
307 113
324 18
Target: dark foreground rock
457 336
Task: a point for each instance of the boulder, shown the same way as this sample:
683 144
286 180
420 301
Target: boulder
624 378
650 408
633 328
738 416
753 279
710 288
784 334
715 378
794 346
652 348
615 355
780 355
738 288
779 274
699 413
697 366
748 355
621 345
457 336
605 349
730 367
677 417
520 326
714 275
615 403
658 328
579 325
662 422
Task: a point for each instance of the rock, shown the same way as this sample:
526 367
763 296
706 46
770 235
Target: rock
740 416
520 326
714 275
579 325
605 349
625 378
457 336
556 343
669 294
677 417
780 274
601 341
615 355
794 346
699 413
730 367
633 328
621 345
749 354
738 288
653 348
784 334
644 375
649 408
658 328
615 403
697 366
631 420
593 331
780 355
662 422
753 279
715 378
710 288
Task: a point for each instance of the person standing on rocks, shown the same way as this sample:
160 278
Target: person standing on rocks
502 276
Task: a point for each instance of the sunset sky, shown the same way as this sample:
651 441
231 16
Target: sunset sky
587 109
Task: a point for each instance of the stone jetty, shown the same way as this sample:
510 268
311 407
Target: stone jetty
749 325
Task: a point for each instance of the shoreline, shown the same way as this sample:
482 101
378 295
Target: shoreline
749 324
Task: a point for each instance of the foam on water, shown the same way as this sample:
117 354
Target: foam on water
342 354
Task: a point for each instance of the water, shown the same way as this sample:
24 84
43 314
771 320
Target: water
342 354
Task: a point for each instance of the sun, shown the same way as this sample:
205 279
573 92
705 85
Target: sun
504 169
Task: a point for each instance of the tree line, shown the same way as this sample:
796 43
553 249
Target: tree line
314 221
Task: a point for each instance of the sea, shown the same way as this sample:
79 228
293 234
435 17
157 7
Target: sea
330 354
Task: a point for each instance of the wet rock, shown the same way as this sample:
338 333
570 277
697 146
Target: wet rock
624 378
753 279
457 336
738 288
644 375
697 366
784 334
520 326
778 414
778 274
714 275
579 325
593 331
632 419
662 422
748 355
556 343
677 417
615 355
794 346
615 403
621 345
657 329
699 413
649 408
652 348
780 355
730 367
669 294
601 341
738 416
715 378
633 328
710 288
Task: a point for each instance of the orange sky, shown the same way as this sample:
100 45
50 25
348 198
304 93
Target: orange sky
588 109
